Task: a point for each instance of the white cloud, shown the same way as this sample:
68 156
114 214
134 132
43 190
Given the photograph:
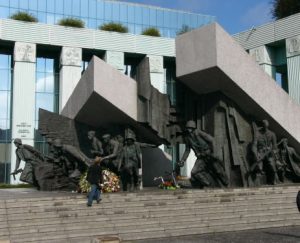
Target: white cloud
257 15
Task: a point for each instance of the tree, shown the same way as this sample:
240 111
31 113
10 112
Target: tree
284 8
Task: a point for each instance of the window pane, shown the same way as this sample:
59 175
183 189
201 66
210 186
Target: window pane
50 18
4 12
153 17
166 19
59 6
4 3
14 3
4 61
49 83
84 8
33 4
42 4
76 8
50 6
107 11
138 12
173 19
40 82
92 9
123 12
24 4
42 17
49 65
67 7
116 12
44 101
40 64
4 79
146 15
100 10
4 105
130 14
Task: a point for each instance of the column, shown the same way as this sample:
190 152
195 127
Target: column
115 59
263 56
293 64
157 75
23 103
69 74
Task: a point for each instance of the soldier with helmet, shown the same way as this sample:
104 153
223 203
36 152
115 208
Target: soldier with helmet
208 171
130 160
110 152
32 159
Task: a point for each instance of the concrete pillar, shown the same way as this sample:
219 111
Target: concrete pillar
115 59
69 74
293 64
157 73
23 103
263 56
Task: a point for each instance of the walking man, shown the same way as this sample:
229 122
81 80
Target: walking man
94 177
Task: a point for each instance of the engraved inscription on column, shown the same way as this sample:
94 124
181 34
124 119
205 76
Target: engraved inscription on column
293 46
24 52
156 64
71 56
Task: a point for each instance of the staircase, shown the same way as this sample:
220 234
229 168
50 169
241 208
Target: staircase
151 213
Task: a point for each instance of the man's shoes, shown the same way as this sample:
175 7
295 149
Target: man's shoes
99 200
89 205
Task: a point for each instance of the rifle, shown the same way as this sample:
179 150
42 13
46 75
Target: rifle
16 172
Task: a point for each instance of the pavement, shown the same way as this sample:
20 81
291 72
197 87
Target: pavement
271 235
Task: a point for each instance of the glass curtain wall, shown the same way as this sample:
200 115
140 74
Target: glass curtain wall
96 12
46 93
5 116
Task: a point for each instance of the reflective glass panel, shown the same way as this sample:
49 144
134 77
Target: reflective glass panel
4 74
146 15
166 19
108 11
160 18
123 12
33 4
76 7
14 3
130 14
59 6
4 104
138 15
92 9
153 17
50 18
67 7
173 19
50 6
100 10
116 12
42 5
4 3
24 4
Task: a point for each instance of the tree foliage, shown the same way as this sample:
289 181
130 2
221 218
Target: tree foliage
112 26
185 28
284 8
24 16
151 32
72 22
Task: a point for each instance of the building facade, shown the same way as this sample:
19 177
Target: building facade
41 63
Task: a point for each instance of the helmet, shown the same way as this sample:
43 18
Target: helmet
18 141
57 143
106 136
130 135
191 124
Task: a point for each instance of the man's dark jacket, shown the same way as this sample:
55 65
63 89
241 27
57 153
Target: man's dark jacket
94 175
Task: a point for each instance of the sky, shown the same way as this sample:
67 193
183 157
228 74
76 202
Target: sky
234 15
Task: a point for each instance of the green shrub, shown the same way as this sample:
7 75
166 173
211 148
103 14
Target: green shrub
151 32
24 16
184 29
112 26
71 22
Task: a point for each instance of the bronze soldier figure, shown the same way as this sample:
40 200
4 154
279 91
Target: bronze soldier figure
208 171
110 152
95 144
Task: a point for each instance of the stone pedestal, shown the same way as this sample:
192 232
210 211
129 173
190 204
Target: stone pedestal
23 113
293 64
157 73
70 73
263 56
115 59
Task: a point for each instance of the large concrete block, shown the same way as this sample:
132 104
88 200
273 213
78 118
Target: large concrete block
209 59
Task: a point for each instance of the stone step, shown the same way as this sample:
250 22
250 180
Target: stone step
169 227
65 205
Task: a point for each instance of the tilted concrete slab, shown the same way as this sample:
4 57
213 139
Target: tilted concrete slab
208 59
105 97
